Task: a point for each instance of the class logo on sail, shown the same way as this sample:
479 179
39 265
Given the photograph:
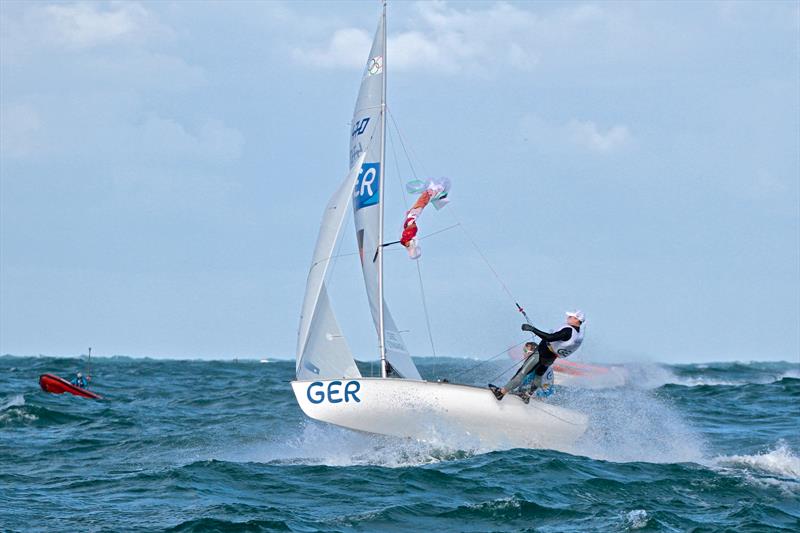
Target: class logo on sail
367 191
375 65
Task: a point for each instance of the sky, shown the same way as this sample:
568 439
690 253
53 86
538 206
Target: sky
164 167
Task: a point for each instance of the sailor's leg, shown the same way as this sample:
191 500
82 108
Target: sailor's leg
540 371
537 381
528 366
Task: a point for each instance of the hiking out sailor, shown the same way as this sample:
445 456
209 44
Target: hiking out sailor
79 381
560 343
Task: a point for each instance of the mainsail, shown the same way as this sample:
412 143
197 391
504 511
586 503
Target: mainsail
322 351
367 140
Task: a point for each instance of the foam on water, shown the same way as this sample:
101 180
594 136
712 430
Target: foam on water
317 443
13 401
211 445
636 519
780 461
625 425
12 411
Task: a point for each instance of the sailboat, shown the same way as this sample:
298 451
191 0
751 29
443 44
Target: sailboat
329 386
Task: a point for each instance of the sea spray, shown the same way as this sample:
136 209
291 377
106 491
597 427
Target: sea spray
779 461
193 445
633 425
317 443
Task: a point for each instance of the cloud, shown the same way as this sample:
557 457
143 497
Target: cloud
583 134
345 49
86 25
35 29
589 135
455 39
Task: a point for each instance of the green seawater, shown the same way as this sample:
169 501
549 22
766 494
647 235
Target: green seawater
223 446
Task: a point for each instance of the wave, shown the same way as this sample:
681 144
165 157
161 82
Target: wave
13 410
636 519
654 375
316 443
780 461
14 401
214 524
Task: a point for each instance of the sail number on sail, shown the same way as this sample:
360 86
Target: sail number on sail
367 188
317 392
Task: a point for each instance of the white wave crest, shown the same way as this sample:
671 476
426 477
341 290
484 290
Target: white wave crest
711 382
636 519
794 374
653 375
10 411
14 401
779 462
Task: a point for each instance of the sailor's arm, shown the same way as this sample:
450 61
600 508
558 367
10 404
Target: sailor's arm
563 334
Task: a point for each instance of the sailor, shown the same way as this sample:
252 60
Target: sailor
560 343
523 375
79 381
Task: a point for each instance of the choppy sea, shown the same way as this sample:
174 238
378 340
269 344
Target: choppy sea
222 446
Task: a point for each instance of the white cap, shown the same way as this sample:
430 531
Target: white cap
577 314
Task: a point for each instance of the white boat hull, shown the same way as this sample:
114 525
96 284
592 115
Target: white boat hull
444 413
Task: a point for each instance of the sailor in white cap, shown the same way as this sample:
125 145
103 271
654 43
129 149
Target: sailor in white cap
560 343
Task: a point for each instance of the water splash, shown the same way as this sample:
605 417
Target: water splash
316 443
780 461
628 425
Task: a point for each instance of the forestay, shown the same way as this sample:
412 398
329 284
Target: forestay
322 351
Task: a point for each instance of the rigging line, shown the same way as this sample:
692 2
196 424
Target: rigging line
419 269
427 316
516 363
437 232
458 221
403 144
505 350
387 244
483 256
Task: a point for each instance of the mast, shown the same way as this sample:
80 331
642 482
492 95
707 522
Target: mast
381 330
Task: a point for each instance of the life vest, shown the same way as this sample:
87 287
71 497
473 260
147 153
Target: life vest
568 347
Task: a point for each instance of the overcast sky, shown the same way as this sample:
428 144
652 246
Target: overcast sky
164 167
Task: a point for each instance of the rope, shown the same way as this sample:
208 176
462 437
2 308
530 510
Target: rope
463 228
474 245
498 354
516 363
419 269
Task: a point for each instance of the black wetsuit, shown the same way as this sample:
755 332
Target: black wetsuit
539 361
546 355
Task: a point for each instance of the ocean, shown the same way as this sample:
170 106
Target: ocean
223 446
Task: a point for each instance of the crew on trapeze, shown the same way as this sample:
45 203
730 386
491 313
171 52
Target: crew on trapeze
560 343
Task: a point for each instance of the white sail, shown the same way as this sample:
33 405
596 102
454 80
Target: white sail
458 415
322 350
366 138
